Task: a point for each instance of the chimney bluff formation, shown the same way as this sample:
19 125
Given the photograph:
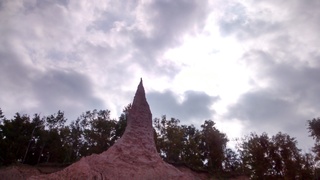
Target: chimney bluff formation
133 156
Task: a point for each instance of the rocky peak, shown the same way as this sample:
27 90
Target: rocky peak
133 156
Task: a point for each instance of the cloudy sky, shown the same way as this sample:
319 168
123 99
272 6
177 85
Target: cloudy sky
248 65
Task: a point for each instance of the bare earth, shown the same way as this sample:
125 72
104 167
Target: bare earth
133 156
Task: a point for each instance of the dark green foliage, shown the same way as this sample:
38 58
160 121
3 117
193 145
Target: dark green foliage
314 130
52 146
34 140
232 164
178 144
306 169
170 139
19 139
98 131
56 121
48 140
1 116
2 137
213 145
276 157
181 144
74 141
254 154
192 154
16 135
122 123
93 132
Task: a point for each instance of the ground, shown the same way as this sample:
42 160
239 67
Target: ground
22 172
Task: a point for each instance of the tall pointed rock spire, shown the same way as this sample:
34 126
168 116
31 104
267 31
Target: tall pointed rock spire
140 100
140 105
140 93
139 132
133 156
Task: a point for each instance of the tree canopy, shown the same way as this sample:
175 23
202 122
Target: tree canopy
34 140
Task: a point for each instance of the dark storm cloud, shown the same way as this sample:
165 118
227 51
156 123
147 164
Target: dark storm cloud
12 69
44 4
269 18
290 98
236 20
263 111
195 106
52 50
131 42
36 40
296 81
66 90
27 89
260 106
170 21
108 18
283 62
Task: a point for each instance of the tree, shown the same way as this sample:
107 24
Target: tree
52 149
232 165
285 147
276 157
170 139
56 121
2 138
314 130
16 134
255 155
307 164
192 152
213 145
75 141
1 116
178 144
47 139
199 150
122 123
67 145
98 131
34 149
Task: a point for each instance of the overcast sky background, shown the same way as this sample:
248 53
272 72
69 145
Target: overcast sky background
251 66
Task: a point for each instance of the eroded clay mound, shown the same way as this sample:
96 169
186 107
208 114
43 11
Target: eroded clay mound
134 156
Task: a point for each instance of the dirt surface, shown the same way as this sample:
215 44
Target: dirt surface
18 172
22 171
